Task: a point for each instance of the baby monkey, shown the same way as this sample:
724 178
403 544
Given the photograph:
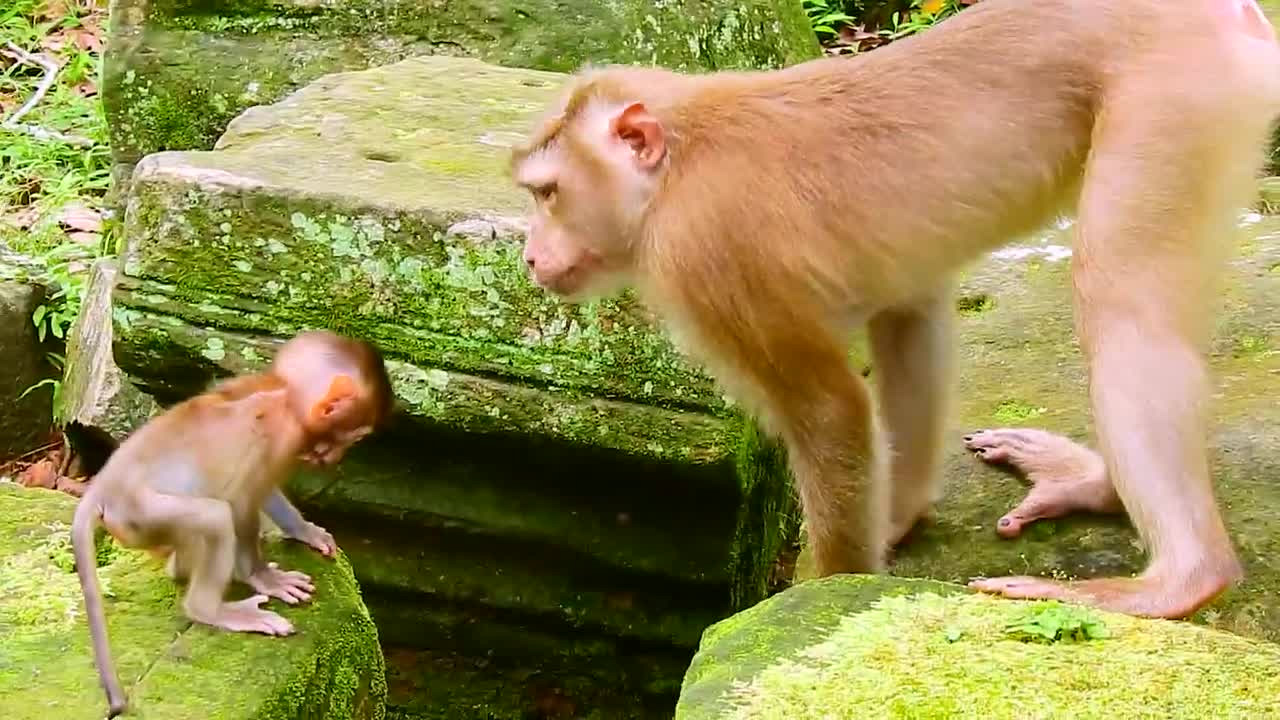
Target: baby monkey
190 484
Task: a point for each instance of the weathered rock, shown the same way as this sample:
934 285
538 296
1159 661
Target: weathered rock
177 72
95 393
26 421
377 204
1019 365
331 670
860 646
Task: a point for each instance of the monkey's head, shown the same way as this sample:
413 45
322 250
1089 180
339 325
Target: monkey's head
338 390
592 168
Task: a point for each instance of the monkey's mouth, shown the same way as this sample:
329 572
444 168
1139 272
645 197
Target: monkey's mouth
564 284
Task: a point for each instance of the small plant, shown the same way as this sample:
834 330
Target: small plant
825 19
922 15
56 314
1054 622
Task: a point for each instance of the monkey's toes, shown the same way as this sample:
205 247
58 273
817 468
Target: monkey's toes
1017 446
1042 503
1025 587
269 623
1145 596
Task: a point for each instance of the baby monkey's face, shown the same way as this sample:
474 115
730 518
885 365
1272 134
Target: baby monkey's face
330 442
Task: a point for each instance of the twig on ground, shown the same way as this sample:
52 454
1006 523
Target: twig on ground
50 75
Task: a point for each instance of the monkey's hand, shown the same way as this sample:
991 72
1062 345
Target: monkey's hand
290 586
317 537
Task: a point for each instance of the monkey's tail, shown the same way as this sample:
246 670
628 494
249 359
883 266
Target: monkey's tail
86 521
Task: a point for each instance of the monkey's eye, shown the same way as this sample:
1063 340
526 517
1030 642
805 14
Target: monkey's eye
545 193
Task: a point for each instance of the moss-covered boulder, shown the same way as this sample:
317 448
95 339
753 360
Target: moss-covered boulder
177 71
562 496
876 647
331 669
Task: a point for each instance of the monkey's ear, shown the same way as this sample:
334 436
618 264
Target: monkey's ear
641 130
342 391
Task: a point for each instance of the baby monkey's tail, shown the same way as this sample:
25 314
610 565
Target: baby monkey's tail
88 514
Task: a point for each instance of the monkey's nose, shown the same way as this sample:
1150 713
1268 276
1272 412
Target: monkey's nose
528 260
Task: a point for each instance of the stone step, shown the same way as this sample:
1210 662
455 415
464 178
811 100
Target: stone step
177 72
170 668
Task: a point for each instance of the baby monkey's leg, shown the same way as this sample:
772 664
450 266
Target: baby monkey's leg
202 534
266 578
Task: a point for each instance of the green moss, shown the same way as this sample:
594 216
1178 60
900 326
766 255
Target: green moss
1251 346
831 649
769 519
974 304
332 670
1010 412
175 75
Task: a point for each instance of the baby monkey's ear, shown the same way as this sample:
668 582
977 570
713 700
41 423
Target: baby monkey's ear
342 396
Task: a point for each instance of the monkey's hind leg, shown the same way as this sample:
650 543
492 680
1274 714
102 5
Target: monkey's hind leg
203 535
911 349
1065 476
1166 175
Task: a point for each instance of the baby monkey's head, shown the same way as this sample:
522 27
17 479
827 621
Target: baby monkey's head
338 389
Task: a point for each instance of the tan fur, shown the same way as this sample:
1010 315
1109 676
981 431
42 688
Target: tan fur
788 207
190 485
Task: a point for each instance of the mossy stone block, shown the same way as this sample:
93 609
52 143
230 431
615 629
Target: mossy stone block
378 203
177 71
95 393
853 646
332 669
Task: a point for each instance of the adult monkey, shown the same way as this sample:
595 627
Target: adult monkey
765 214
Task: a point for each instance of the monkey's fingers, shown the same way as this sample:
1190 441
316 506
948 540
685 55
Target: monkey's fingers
320 539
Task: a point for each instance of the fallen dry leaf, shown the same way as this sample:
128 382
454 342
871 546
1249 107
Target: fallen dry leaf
22 219
81 217
42 474
85 238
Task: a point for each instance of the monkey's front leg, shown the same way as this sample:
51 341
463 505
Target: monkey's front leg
834 443
266 578
295 527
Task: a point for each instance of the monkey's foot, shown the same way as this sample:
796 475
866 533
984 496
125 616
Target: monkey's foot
902 530
1146 596
246 616
1065 476
318 538
290 586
